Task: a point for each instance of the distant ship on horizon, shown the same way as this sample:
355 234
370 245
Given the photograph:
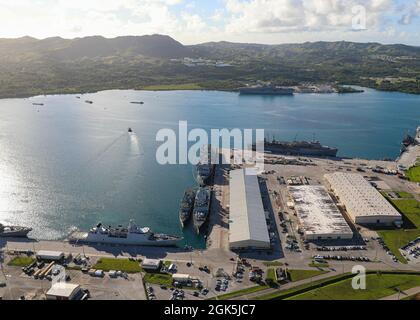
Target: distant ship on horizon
267 90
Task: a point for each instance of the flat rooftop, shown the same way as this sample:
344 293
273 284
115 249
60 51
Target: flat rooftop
318 213
359 196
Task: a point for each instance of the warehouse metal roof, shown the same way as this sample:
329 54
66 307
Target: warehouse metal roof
359 196
247 224
63 289
317 212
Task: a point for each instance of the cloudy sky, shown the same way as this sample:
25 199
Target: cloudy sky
196 21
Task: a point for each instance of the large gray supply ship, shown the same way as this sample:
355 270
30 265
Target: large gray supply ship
299 148
131 235
201 207
267 90
14 231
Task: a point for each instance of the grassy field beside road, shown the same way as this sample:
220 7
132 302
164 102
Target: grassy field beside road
125 265
297 275
413 174
21 261
242 292
395 239
377 287
159 279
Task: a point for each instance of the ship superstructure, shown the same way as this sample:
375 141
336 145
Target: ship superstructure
131 235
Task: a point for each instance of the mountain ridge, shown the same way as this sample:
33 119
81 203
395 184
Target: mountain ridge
30 66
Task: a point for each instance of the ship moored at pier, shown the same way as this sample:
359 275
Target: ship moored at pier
131 235
201 207
14 231
299 148
186 206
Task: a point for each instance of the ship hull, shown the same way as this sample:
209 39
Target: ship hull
206 208
303 152
269 92
15 234
84 238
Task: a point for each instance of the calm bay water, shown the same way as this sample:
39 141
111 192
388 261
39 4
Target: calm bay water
70 164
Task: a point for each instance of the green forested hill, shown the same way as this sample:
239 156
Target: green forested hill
54 65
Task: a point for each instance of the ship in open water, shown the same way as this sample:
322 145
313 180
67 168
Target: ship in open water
131 235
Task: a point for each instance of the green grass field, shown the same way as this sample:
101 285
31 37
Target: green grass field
239 293
124 265
297 275
413 174
319 265
169 87
377 286
395 239
159 279
273 263
21 261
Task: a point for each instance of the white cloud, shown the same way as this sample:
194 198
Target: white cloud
301 15
267 21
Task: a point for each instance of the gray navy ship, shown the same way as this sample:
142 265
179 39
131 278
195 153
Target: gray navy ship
205 169
201 207
131 235
299 148
187 205
267 90
14 231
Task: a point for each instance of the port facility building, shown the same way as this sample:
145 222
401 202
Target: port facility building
64 291
247 222
319 216
364 204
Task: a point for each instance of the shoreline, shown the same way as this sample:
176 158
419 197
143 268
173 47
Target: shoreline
64 92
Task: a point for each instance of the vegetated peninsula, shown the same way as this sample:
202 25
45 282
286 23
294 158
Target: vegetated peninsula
30 66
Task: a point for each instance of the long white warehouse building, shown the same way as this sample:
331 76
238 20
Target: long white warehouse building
247 224
319 217
363 202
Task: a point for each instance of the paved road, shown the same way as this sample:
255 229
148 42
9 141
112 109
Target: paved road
290 285
404 294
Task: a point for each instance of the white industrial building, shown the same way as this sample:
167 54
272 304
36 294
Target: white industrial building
151 264
64 291
364 204
50 255
319 217
247 224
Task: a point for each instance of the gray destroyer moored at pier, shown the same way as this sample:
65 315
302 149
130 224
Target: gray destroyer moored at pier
187 205
131 235
201 207
14 231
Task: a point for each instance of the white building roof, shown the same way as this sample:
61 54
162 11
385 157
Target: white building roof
318 213
359 196
63 289
247 225
46 254
155 263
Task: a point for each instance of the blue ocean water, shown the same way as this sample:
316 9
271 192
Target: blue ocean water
69 164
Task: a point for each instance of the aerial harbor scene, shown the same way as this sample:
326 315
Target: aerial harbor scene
126 172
